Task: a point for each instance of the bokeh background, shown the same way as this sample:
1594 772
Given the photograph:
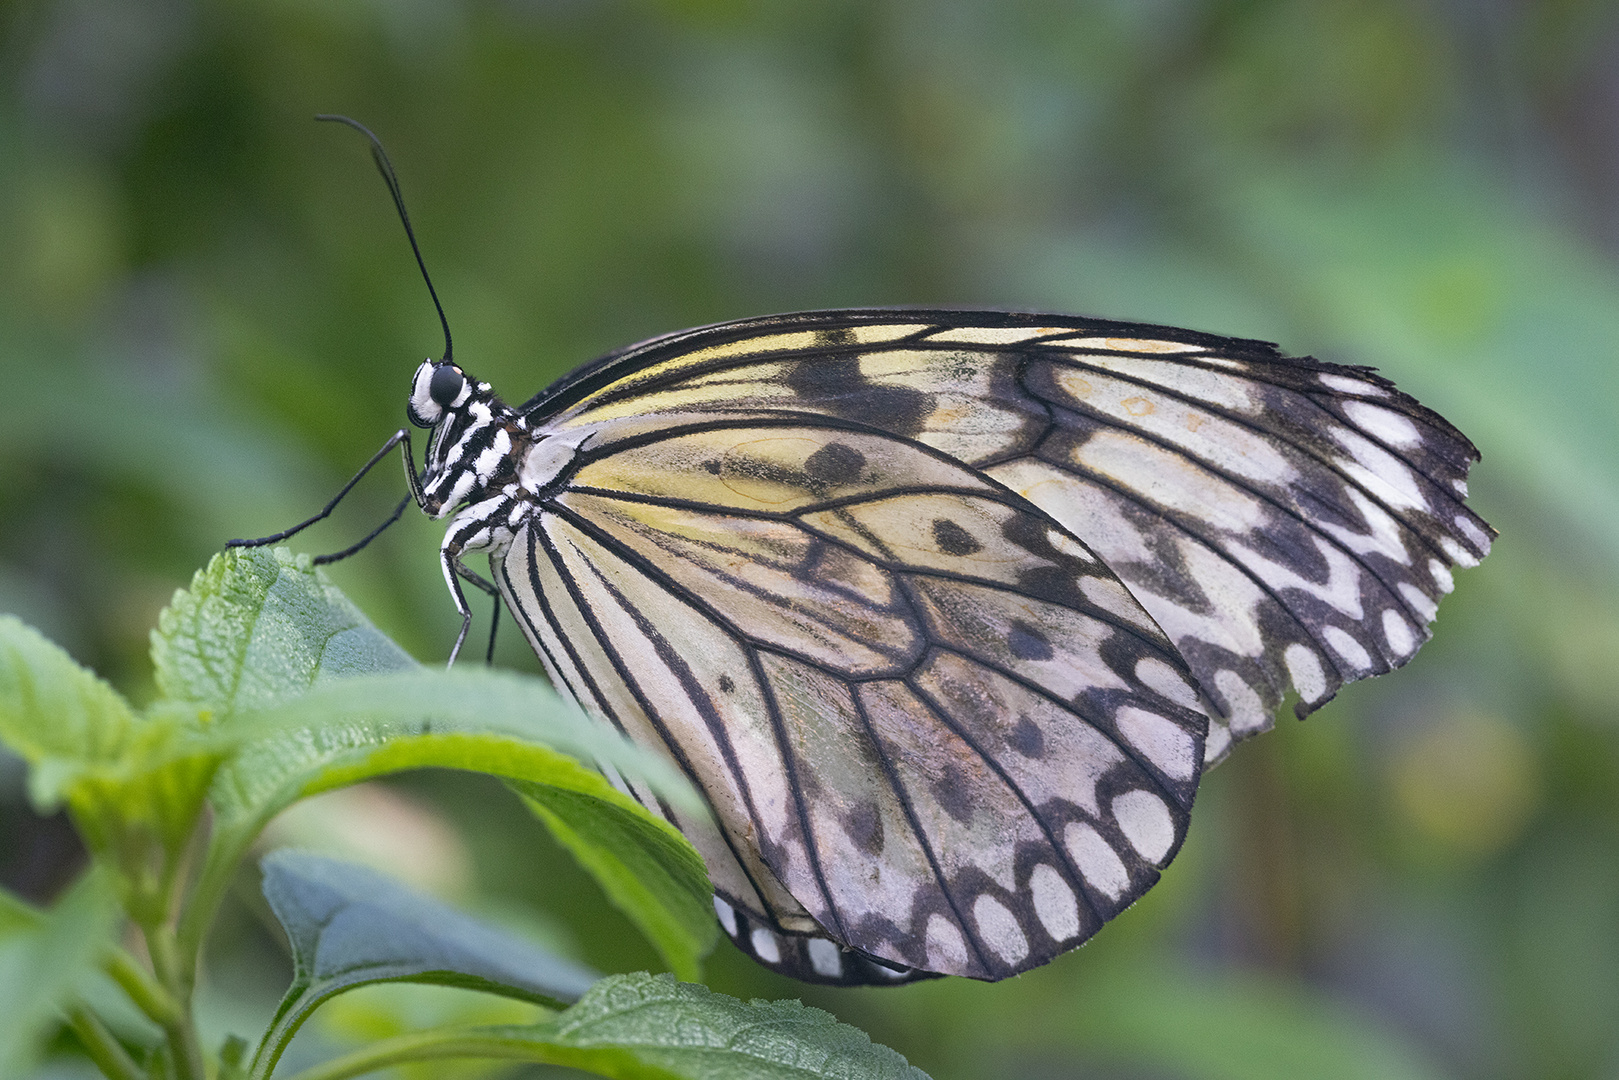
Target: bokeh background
208 318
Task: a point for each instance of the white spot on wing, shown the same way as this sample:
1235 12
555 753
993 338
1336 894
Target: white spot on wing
1398 632
1379 472
1341 589
1346 385
999 929
1348 649
1175 481
1420 602
1146 345
1305 668
946 950
1161 740
727 915
1384 425
1066 545
825 957
1458 554
765 946
1145 822
1158 675
1103 869
1473 532
548 457
1385 535
989 335
1441 576
1054 903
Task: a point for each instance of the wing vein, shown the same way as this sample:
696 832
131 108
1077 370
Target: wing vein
970 935
674 748
943 717
1139 500
1238 420
790 769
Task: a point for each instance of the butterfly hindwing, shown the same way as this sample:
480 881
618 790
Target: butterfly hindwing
918 706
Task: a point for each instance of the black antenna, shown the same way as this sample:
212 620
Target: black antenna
385 167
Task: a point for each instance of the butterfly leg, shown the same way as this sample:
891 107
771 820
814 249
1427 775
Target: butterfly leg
494 593
480 527
401 439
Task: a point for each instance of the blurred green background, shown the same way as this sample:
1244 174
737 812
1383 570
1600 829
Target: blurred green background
209 316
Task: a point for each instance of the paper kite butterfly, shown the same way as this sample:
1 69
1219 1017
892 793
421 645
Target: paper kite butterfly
945 612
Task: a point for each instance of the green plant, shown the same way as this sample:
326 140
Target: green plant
273 687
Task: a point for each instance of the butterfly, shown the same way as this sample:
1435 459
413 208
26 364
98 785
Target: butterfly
945 612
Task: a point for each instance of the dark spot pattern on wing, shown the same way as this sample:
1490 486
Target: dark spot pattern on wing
835 385
865 827
953 539
1026 739
835 463
1028 642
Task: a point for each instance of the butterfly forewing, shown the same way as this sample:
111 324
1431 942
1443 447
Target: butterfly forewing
1290 524
918 705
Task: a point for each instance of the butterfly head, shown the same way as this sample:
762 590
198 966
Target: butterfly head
436 386
474 433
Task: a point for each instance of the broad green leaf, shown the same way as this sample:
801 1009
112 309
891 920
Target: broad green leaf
644 865
44 958
51 709
258 626
650 1027
489 721
692 1031
134 784
350 926
648 870
322 717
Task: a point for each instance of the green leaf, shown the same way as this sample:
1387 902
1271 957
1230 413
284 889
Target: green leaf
259 626
362 728
650 1027
647 869
350 926
134 784
312 723
54 711
355 729
44 958
692 1031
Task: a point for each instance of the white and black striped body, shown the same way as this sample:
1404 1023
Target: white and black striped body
945 612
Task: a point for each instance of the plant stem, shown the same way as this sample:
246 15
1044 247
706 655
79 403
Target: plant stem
102 1046
474 1042
176 980
220 860
147 994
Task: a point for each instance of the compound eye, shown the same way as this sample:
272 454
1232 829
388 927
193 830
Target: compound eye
445 385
